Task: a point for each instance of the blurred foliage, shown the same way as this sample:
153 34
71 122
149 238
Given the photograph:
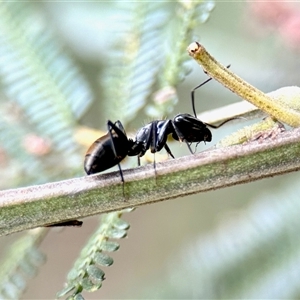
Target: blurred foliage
43 96
22 262
86 275
252 254
129 59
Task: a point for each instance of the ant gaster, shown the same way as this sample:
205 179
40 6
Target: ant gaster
110 149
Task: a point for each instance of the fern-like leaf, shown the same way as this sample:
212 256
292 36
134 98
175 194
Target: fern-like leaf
87 275
21 263
129 79
45 89
11 136
39 76
189 15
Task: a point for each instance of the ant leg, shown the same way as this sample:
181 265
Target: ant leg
189 146
197 87
122 178
110 126
154 166
153 145
169 151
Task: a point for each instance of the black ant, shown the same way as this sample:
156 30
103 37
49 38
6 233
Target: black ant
110 149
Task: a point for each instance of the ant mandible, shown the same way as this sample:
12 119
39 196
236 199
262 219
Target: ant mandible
110 149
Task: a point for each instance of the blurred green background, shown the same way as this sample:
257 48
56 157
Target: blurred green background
238 242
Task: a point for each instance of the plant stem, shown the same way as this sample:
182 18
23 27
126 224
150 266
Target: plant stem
237 85
35 206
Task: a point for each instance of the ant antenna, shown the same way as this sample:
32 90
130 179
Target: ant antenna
224 122
193 95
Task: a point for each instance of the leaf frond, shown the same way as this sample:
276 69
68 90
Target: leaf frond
189 14
22 262
11 137
130 77
39 76
86 274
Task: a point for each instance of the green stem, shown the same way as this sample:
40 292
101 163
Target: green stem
56 202
243 89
